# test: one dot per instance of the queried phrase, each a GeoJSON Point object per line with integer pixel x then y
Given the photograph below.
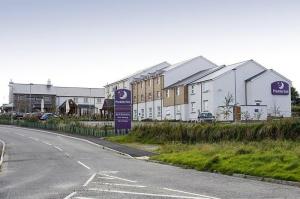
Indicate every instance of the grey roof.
{"type": "Point", "coordinates": [196, 76]}
{"type": "Point", "coordinates": [151, 69]}
{"type": "Point", "coordinates": [254, 76]}
{"type": "Point", "coordinates": [43, 89]}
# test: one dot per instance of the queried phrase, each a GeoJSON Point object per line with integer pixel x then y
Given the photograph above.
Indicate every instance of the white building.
{"type": "Point", "coordinates": [28, 97]}
{"type": "Point", "coordinates": [241, 91]}
{"type": "Point", "coordinates": [246, 85]}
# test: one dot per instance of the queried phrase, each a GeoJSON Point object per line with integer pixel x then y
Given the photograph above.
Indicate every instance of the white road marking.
{"type": "Point", "coordinates": [106, 178]}
{"type": "Point", "coordinates": [145, 194]}
{"type": "Point", "coordinates": [109, 172]}
{"type": "Point", "coordinates": [80, 139]}
{"type": "Point", "coordinates": [124, 185]}
{"type": "Point", "coordinates": [2, 153]}
{"type": "Point", "coordinates": [89, 180]}
{"type": "Point", "coordinates": [70, 195]}
{"type": "Point", "coordinates": [195, 194]}
{"type": "Point", "coordinates": [68, 155]}
{"type": "Point", "coordinates": [47, 143]}
{"type": "Point", "coordinates": [119, 178]}
{"type": "Point", "coordinates": [83, 165]}
{"type": "Point", "coordinates": [58, 148]}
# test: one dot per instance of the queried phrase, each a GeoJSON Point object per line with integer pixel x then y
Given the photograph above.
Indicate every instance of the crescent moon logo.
{"type": "Point", "coordinates": [281, 85]}
{"type": "Point", "coordinates": [123, 95]}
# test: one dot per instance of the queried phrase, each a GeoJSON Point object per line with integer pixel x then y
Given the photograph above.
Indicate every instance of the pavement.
{"type": "Point", "coordinates": [39, 164]}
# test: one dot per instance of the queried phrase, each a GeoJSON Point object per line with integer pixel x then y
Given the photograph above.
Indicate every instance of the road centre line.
{"type": "Point", "coordinates": [124, 179]}
{"type": "Point", "coordinates": [106, 178]}
{"type": "Point", "coordinates": [89, 180]}
{"type": "Point", "coordinates": [75, 138]}
{"type": "Point", "coordinates": [195, 194]}
{"type": "Point", "coordinates": [124, 185]}
{"type": "Point", "coordinates": [70, 195]}
{"type": "Point", "coordinates": [58, 148]}
{"type": "Point", "coordinates": [83, 165]}
{"type": "Point", "coordinates": [145, 194]}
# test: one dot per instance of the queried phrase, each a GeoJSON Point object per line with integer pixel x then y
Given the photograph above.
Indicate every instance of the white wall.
{"type": "Point", "coordinates": [260, 89]}
{"type": "Point", "coordinates": [254, 113]}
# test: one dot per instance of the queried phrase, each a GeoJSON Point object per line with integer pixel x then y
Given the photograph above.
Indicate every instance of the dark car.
{"type": "Point", "coordinates": [47, 116]}
{"type": "Point", "coordinates": [206, 117]}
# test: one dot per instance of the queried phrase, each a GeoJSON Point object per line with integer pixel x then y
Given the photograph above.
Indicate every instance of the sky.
{"type": "Point", "coordinates": [90, 43]}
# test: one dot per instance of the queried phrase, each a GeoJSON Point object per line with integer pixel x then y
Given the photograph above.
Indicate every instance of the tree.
{"type": "Point", "coordinates": [226, 110]}
{"type": "Point", "coordinates": [294, 95]}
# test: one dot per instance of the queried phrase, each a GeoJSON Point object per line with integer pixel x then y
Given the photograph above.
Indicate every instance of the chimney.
{"type": "Point", "coordinates": [49, 83]}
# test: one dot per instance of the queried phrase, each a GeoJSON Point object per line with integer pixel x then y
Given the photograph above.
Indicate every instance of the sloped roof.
{"type": "Point", "coordinates": [255, 76]}
{"type": "Point", "coordinates": [150, 69]}
{"type": "Point", "coordinates": [43, 89]}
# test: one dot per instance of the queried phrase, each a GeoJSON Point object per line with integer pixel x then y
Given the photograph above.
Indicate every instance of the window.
{"type": "Point", "coordinates": [158, 80]}
{"type": "Point", "coordinates": [158, 94]}
{"type": "Point", "coordinates": [149, 96]}
{"type": "Point", "coordinates": [143, 113]}
{"type": "Point", "coordinates": [178, 109]}
{"type": "Point", "coordinates": [150, 112]}
{"type": "Point", "coordinates": [167, 93]}
{"type": "Point", "coordinates": [141, 84]}
{"type": "Point", "coordinates": [158, 111]}
{"type": "Point", "coordinates": [205, 105]}
{"type": "Point", "coordinates": [177, 91]}
{"type": "Point", "coordinates": [76, 99]}
{"type": "Point", "coordinates": [149, 82]}
{"type": "Point", "coordinates": [134, 113]}
{"type": "Point", "coordinates": [134, 98]}
{"type": "Point", "coordinates": [192, 89]}
{"type": "Point", "coordinates": [86, 100]}
{"type": "Point", "coordinates": [142, 97]}
{"type": "Point", "coordinates": [98, 100]}
{"type": "Point", "coordinates": [193, 107]}
{"type": "Point", "coordinates": [204, 87]}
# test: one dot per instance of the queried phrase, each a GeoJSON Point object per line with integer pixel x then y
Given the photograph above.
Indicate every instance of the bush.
{"type": "Point", "coordinates": [194, 133]}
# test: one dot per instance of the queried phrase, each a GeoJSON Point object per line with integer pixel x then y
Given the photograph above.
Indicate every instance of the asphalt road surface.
{"type": "Point", "coordinates": [40, 164]}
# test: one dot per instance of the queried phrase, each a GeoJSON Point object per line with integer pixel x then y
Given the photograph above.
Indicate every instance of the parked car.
{"type": "Point", "coordinates": [206, 117]}
{"type": "Point", "coordinates": [18, 115]}
{"type": "Point", "coordinates": [47, 116]}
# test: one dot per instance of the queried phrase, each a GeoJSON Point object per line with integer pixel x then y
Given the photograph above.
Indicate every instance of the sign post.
{"type": "Point", "coordinates": [122, 114]}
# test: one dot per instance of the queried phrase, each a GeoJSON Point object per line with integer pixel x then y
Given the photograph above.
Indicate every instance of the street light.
{"type": "Point", "coordinates": [30, 106]}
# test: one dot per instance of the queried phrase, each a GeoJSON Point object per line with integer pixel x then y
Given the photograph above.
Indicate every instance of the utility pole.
{"type": "Point", "coordinates": [30, 106]}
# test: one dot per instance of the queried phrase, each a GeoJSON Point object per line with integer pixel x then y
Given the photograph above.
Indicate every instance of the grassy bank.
{"type": "Point", "coordinates": [274, 159]}
{"type": "Point", "coordinates": [269, 149]}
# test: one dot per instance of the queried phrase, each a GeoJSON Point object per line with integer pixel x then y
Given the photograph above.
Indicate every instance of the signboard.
{"type": "Point", "coordinates": [280, 88]}
{"type": "Point", "coordinates": [122, 110]}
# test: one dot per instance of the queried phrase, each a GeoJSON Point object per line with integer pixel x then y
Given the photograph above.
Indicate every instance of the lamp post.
{"type": "Point", "coordinates": [30, 105]}
{"type": "Point", "coordinates": [90, 104]}
{"type": "Point", "coordinates": [12, 107]}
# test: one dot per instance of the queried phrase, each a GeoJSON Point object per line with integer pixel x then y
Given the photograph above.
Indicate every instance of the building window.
{"type": "Point", "coordinates": [134, 113]}
{"type": "Point", "coordinates": [76, 99]}
{"type": "Point", "coordinates": [158, 94]}
{"type": "Point", "coordinates": [205, 105]}
{"type": "Point", "coordinates": [204, 87]}
{"type": "Point", "coordinates": [149, 96]}
{"type": "Point", "coordinates": [158, 80]}
{"type": "Point", "coordinates": [98, 100]}
{"type": "Point", "coordinates": [142, 97]}
{"type": "Point", "coordinates": [192, 89]}
{"type": "Point", "coordinates": [193, 107]}
{"type": "Point", "coordinates": [149, 82]}
{"type": "Point", "coordinates": [158, 111]}
{"type": "Point", "coordinates": [177, 91]}
{"type": "Point", "coordinates": [143, 113]}
{"type": "Point", "coordinates": [167, 93]}
{"type": "Point", "coordinates": [150, 112]}
{"type": "Point", "coordinates": [134, 98]}
{"type": "Point", "coordinates": [86, 100]}
{"type": "Point", "coordinates": [178, 109]}
{"type": "Point", "coordinates": [141, 84]}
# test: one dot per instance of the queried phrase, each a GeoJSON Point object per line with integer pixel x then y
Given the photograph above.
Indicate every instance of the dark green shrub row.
{"type": "Point", "coordinates": [193, 133]}
{"type": "Point", "coordinates": [63, 125]}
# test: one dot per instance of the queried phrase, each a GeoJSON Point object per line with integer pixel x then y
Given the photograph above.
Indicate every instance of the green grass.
{"type": "Point", "coordinates": [274, 159]}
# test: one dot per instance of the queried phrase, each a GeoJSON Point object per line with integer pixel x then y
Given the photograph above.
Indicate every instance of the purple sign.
{"type": "Point", "coordinates": [280, 88]}
{"type": "Point", "coordinates": [122, 109]}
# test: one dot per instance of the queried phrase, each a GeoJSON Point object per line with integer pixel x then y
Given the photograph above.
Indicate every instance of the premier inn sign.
{"type": "Point", "coordinates": [280, 88]}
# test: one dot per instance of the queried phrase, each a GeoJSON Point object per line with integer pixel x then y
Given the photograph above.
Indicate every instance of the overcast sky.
{"type": "Point", "coordinates": [89, 43]}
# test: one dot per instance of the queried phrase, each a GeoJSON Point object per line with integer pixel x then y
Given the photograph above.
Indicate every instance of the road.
{"type": "Point", "coordinates": [40, 164]}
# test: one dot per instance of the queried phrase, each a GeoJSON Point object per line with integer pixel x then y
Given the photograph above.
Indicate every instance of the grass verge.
{"type": "Point", "coordinates": [278, 159]}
